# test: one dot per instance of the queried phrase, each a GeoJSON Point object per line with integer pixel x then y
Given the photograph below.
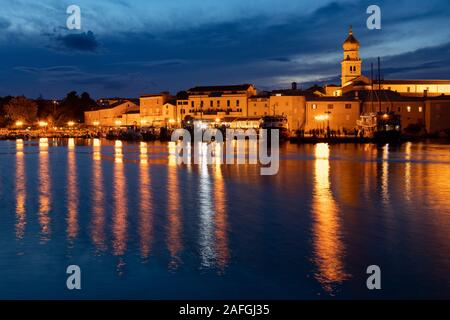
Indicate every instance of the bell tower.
{"type": "Point", "coordinates": [351, 64]}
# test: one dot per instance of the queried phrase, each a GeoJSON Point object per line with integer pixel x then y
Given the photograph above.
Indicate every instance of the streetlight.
{"type": "Point", "coordinates": [96, 123]}
{"type": "Point", "coordinates": [19, 124]}
{"type": "Point", "coordinates": [70, 123]}
{"type": "Point", "coordinates": [323, 117]}
{"type": "Point", "coordinates": [42, 124]}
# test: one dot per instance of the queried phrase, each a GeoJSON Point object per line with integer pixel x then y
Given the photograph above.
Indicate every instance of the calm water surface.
{"type": "Point", "coordinates": [141, 226]}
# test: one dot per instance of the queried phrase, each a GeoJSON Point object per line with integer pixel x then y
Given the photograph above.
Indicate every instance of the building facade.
{"type": "Point", "coordinates": [337, 113]}
{"type": "Point", "coordinates": [118, 113]}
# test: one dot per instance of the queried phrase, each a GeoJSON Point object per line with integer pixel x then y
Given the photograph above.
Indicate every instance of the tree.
{"type": "Point", "coordinates": [20, 109]}
{"type": "Point", "coordinates": [72, 107]}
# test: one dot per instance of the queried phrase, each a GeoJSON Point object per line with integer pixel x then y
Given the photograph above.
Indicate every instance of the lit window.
{"type": "Point", "coordinates": [420, 109]}
{"type": "Point", "coordinates": [408, 108]}
{"type": "Point", "coordinates": [314, 106]}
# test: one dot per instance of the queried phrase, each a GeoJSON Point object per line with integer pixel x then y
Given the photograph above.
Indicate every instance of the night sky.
{"type": "Point", "coordinates": [129, 48]}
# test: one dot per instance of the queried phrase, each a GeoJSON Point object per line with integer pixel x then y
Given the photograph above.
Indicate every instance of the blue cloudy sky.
{"type": "Point", "coordinates": [132, 47]}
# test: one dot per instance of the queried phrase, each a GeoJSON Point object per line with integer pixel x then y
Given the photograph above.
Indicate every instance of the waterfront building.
{"type": "Point", "coordinates": [259, 105]}
{"type": "Point", "coordinates": [336, 113]}
{"type": "Point", "coordinates": [158, 109]}
{"type": "Point", "coordinates": [437, 117]}
{"type": "Point", "coordinates": [121, 112]}
{"type": "Point", "coordinates": [291, 104]}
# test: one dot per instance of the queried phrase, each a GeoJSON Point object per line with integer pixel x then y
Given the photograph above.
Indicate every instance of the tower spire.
{"type": "Point", "coordinates": [350, 32]}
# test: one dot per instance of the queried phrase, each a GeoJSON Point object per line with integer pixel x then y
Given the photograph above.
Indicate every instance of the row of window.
{"type": "Point", "coordinates": [183, 111]}
{"type": "Point", "coordinates": [331, 106]}
{"type": "Point", "coordinates": [349, 106]}
{"type": "Point", "coordinates": [211, 103]}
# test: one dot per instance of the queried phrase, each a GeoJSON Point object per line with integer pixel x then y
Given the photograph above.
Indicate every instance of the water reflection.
{"type": "Point", "coordinates": [120, 206]}
{"type": "Point", "coordinates": [98, 200]}
{"type": "Point", "coordinates": [143, 153]}
{"type": "Point", "coordinates": [72, 193]}
{"type": "Point", "coordinates": [221, 212]}
{"type": "Point", "coordinates": [20, 190]}
{"type": "Point", "coordinates": [174, 242]}
{"type": "Point", "coordinates": [408, 170]}
{"type": "Point", "coordinates": [206, 241]}
{"type": "Point", "coordinates": [328, 246]}
{"type": "Point", "coordinates": [44, 190]}
{"type": "Point", "coordinates": [145, 204]}
{"type": "Point", "coordinates": [385, 175]}
{"type": "Point", "coordinates": [415, 182]}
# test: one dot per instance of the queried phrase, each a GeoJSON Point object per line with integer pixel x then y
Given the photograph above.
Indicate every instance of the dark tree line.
{"type": "Point", "coordinates": [57, 113]}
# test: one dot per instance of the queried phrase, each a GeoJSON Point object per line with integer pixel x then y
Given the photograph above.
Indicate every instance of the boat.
{"type": "Point", "coordinates": [276, 122]}
{"type": "Point", "coordinates": [388, 127]}
{"type": "Point", "coordinates": [381, 127]}
{"type": "Point", "coordinates": [367, 125]}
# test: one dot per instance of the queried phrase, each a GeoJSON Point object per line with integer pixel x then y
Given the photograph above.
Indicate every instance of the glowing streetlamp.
{"type": "Point", "coordinates": [96, 123]}
{"type": "Point", "coordinates": [70, 123]}
{"type": "Point", "coordinates": [321, 117]}
{"type": "Point", "coordinates": [19, 124]}
{"type": "Point", "coordinates": [43, 124]}
{"type": "Point", "coordinates": [118, 122]}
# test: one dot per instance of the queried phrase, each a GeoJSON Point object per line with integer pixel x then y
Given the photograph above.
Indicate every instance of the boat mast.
{"type": "Point", "coordinates": [371, 87]}
{"type": "Point", "coordinates": [379, 84]}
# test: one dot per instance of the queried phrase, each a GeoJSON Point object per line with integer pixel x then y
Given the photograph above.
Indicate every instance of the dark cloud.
{"type": "Point", "coordinates": [425, 63]}
{"type": "Point", "coordinates": [72, 75]}
{"type": "Point", "coordinates": [75, 42]}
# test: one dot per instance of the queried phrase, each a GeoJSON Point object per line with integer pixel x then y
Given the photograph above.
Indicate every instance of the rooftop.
{"type": "Point", "coordinates": [237, 87]}
{"type": "Point", "coordinates": [412, 81]}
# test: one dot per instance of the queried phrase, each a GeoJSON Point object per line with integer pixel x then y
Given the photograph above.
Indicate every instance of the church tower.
{"type": "Point", "coordinates": [351, 65]}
